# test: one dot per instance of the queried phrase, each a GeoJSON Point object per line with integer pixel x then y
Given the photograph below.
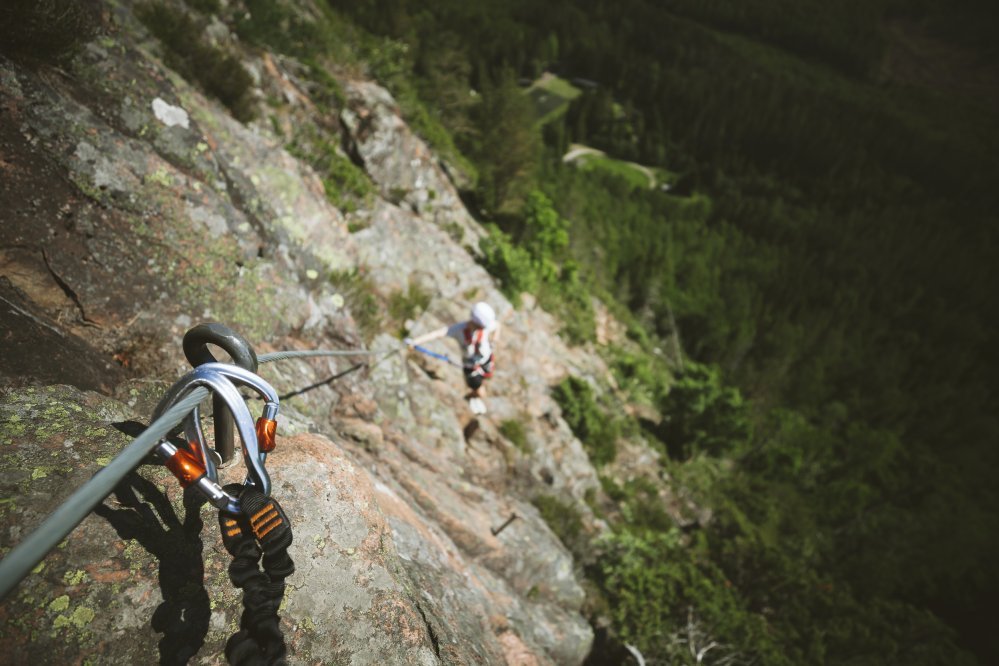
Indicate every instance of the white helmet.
{"type": "Point", "coordinates": [483, 315]}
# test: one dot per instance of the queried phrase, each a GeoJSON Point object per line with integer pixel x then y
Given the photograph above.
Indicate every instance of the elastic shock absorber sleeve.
{"type": "Point", "coordinates": [262, 528]}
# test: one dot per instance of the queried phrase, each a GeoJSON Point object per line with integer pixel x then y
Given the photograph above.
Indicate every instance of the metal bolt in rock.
{"type": "Point", "coordinates": [196, 343]}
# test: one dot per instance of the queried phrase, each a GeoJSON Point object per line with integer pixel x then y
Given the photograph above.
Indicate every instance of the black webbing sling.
{"type": "Point", "coordinates": [262, 528]}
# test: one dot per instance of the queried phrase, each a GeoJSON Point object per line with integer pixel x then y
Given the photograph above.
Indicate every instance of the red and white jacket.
{"type": "Point", "coordinates": [474, 341]}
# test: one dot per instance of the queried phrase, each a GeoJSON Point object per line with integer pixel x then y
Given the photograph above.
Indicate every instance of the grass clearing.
{"type": "Point", "coordinates": [551, 96]}
{"type": "Point", "coordinates": [559, 86]}
{"type": "Point", "coordinates": [635, 174]}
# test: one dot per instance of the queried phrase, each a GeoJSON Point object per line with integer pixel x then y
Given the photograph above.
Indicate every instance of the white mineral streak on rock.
{"type": "Point", "coordinates": [170, 115]}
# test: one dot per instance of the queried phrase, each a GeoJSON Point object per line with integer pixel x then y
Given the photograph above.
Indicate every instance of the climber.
{"type": "Point", "coordinates": [477, 361]}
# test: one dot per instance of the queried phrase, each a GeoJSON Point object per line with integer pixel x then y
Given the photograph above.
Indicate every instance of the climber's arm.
{"type": "Point", "coordinates": [427, 337]}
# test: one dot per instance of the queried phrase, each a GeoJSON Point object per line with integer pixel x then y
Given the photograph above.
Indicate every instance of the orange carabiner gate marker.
{"type": "Point", "coordinates": [266, 434]}
{"type": "Point", "coordinates": [186, 467]}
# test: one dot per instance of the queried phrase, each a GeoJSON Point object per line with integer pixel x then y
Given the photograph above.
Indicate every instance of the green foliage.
{"type": "Point", "coordinates": [408, 304]}
{"type": "Point", "coordinates": [563, 519]}
{"type": "Point", "coordinates": [595, 429]}
{"type": "Point", "coordinates": [347, 186]}
{"type": "Point", "coordinates": [513, 430]}
{"type": "Point", "coordinates": [700, 415]}
{"type": "Point", "coordinates": [844, 34]}
{"type": "Point", "coordinates": [508, 145]}
{"type": "Point", "coordinates": [760, 578]}
{"type": "Point", "coordinates": [643, 247]}
{"type": "Point", "coordinates": [316, 39]}
{"type": "Point", "coordinates": [358, 292]}
{"type": "Point", "coordinates": [219, 74]}
{"type": "Point", "coordinates": [641, 375]}
{"type": "Point", "coordinates": [667, 602]}
{"type": "Point", "coordinates": [568, 298]}
{"type": "Point", "coordinates": [641, 506]}
{"type": "Point", "coordinates": [537, 263]}
{"type": "Point", "coordinates": [205, 6]}
{"type": "Point", "coordinates": [284, 27]}
{"type": "Point", "coordinates": [545, 236]}
{"type": "Point", "coordinates": [47, 29]}
{"type": "Point", "coordinates": [442, 83]}
{"type": "Point", "coordinates": [512, 266]}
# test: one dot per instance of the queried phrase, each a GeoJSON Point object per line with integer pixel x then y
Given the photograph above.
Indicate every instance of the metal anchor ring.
{"type": "Point", "coordinates": [196, 350]}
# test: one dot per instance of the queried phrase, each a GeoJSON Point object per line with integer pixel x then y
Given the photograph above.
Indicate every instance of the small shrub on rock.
{"type": "Point", "coordinates": [47, 30]}
{"type": "Point", "coordinates": [219, 74]}
{"type": "Point", "coordinates": [596, 430]}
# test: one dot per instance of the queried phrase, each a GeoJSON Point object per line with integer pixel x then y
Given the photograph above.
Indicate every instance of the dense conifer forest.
{"type": "Point", "coordinates": [808, 284]}
{"type": "Point", "coordinates": [824, 252]}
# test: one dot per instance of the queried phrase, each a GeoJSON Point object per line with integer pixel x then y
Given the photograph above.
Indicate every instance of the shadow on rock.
{"type": "Point", "coordinates": [149, 518]}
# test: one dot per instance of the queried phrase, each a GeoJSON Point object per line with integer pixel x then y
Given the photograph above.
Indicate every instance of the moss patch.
{"type": "Point", "coordinates": [75, 577]}
{"type": "Point", "coordinates": [513, 430]}
{"type": "Point", "coordinates": [358, 292]}
{"type": "Point", "coordinates": [59, 604]}
{"type": "Point", "coordinates": [78, 619]}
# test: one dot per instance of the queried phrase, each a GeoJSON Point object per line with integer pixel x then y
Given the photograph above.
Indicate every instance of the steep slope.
{"type": "Point", "coordinates": [132, 207]}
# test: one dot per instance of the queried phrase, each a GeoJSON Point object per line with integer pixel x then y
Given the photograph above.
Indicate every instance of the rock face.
{"type": "Point", "coordinates": [121, 227]}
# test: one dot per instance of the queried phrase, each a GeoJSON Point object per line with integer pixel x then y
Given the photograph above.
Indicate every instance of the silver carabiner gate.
{"type": "Point", "coordinates": [266, 426]}
{"type": "Point", "coordinates": [197, 467]}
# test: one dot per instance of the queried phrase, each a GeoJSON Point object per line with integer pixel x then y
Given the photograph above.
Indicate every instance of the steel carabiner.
{"type": "Point", "coordinates": [196, 467]}
{"type": "Point", "coordinates": [266, 427]}
{"type": "Point", "coordinates": [192, 422]}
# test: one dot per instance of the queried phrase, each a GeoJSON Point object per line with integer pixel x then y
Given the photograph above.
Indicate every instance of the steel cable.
{"type": "Point", "coordinates": [19, 562]}
{"type": "Point", "coordinates": [281, 355]}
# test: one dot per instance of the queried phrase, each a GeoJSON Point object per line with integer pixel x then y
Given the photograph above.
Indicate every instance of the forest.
{"type": "Point", "coordinates": [824, 256]}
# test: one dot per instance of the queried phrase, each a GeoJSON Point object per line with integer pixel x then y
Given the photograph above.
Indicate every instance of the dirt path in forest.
{"type": "Point", "coordinates": [578, 150]}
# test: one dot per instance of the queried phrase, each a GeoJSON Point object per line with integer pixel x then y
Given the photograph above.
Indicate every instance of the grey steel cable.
{"type": "Point", "coordinates": [281, 355]}
{"type": "Point", "coordinates": [19, 562]}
